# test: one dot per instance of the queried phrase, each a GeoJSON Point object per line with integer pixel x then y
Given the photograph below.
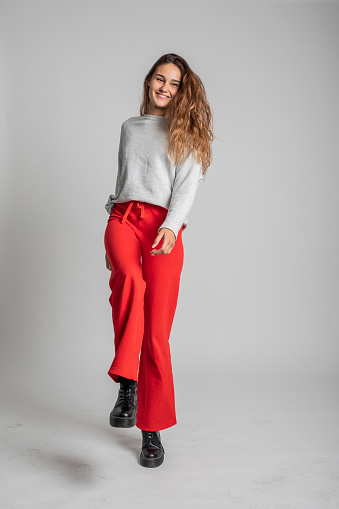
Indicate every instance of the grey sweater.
{"type": "Point", "coordinates": [146, 172]}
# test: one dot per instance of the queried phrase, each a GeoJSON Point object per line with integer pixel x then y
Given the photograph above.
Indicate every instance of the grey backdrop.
{"type": "Point", "coordinates": [259, 289]}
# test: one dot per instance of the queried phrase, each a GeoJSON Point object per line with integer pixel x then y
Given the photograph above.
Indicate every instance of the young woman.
{"type": "Point", "coordinates": [163, 156]}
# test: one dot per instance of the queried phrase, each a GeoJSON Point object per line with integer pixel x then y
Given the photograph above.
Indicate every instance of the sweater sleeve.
{"type": "Point", "coordinates": [110, 203]}
{"type": "Point", "coordinates": [185, 185]}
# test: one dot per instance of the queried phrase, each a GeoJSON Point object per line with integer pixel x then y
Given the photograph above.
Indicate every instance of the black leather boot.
{"type": "Point", "coordinates": [124, 412]}
{"type": "Point", "coordinates": [152, 451]}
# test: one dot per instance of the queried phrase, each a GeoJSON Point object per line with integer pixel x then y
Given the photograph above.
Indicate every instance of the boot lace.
{"type": "Point", "coordinates": [152, 438]}
{"type": "Point", "coordinates": [126, 394]}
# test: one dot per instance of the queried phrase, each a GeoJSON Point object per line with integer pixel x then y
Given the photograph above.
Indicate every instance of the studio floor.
{"type": "Point", "coordinates": [262, 445]}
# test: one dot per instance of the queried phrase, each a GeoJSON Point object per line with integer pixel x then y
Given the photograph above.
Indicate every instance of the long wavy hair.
{"type": "Point", "coordinates": [188, 116]}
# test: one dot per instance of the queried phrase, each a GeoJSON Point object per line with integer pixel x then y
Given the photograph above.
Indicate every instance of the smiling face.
{"type": "Point", "coordinates": [163, 86]}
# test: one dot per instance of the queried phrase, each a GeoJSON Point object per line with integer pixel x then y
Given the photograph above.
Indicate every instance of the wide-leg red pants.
{"type": "Point", "coordinates": [144, 293]}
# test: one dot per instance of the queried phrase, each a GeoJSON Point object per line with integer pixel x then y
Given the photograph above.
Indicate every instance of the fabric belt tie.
{"type": "Point", "coordinates": [141, 207]}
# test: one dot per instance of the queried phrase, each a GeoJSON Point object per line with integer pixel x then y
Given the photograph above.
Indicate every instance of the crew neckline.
{"type": "Point", "coordinates": [148, 115]}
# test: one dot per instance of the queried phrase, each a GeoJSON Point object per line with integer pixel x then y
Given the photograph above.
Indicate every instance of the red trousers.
{"type": "Point", "coordinates": [144, 293]}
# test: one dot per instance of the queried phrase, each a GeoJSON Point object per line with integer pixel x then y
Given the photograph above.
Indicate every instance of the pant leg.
{"type": "Point", "coordinates": [156, 398]}
{"type": "Point", "coordinates": [127, 295]}
{"type": "Point", "coordinates": [148, 293]}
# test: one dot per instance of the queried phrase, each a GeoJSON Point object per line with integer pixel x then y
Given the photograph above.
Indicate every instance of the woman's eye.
{"type": "Point", "coordinates": [173, 84]}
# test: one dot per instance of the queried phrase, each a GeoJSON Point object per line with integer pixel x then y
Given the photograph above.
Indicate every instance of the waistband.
{"type": "Point", "coordinates": [130, 205]}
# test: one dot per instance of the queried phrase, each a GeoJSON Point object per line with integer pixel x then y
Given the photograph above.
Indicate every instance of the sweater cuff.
{"type": "Point", "coordinates": [110, 204]}
{"type": "Point", "coordinates": [175, 229]}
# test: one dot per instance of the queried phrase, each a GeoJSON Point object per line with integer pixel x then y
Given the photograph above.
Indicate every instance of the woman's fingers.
{"type": "Point", "coordinates": [108, 263]}
{"type": "Point", "coordinates": [168, 242]}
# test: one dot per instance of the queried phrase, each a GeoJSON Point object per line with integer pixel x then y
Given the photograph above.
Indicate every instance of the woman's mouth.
{"type": "Point", "coordinates": [162, 96]}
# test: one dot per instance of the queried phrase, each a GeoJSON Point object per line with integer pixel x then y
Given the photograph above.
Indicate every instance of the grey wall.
{"type": "Point", "coordinates": [259, 291]}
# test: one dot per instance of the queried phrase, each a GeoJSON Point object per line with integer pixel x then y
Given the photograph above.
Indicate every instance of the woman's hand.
{"type": "Point", "coordinates": [108, 263]}
{"type": "Point", "coordinates": [168, 242]}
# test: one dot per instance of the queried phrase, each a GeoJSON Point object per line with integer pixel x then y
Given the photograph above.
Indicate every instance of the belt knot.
{"type": "Point", "coordinates": [140, 204]}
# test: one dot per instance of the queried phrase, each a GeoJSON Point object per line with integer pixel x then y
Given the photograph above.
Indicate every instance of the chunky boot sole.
{"type": "Point", "coordinates": [122, 422]}
{"type": "Point", "coordinates": [151, 462]}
